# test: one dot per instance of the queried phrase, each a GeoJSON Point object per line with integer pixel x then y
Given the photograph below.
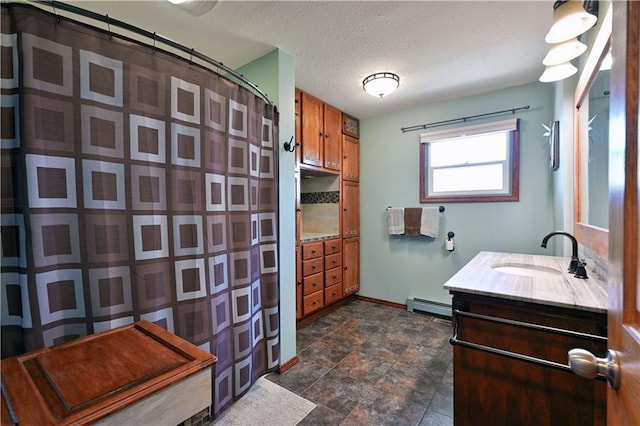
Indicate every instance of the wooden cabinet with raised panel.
{"type": "Point", "coordinates": [350, 158]}
{"type": "Point", "coordinates": [351, 265]}
{"type": "Point", "coordinates": [332, 138]}
{"type": "Point", "coordinates": [332, 271]}
{"type": "Point", "coordinates": [298, 282]}
{"type": "Point", "coordinates": [312, 276]}
{"type": "Point", "coordinates": [298, 125]}
{"type": "Point", "coordinates": [498, 389]}
{"type": "Point", "coordinates": [321, 133]}
{"type": "Point", "coordinates": [350, 198]}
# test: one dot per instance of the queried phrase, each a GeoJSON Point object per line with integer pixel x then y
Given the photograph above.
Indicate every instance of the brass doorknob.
{"type": "Point", "coordinates": [585, 364]}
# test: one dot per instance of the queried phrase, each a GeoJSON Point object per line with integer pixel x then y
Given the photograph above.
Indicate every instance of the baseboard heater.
{"type": "Point", "coordinates": [415, 304]}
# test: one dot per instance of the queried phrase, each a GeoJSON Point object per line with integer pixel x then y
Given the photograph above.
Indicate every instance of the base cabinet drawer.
{"type": "Point", "coordinates": [333, 293]}
{"type": "Point", "coordinates": [312, 283]}
{"type": "Point", "coordinates": [333, 261]}
{"type": "Point", "coordinates": [312, 302]}
{"type": "Point", "coordinates": [332, 277]}
{"type": "Point", "coordinates": [312, 266]}
{"type": "Point", "coordinates": [312, 250]}
{"type": "Point", "coordinates": [332, 247]}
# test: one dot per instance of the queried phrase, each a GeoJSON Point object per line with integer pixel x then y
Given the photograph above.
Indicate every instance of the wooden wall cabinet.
{"type": "Point", "coordinates": [496, 389]}
{"type": "Point", "coordinates": [350, 158]}
{"type": "Point", "coordinates": [327, 271]}
{"type": "Point", "coordinates": [350, 198]}
{"type": "Point", "coordinates": [321, 133]}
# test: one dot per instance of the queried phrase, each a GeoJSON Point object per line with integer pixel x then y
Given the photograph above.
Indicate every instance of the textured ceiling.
{"type": "Point", "coordinates": [440, 49]}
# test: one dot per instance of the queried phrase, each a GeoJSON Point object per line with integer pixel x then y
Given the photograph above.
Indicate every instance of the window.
{"type": "Point", "coordinates": [472, 163]}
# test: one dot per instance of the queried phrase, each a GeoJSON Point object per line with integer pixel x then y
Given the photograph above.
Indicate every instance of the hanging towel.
{"type": "Point", "coordinates": [430, 222]}
{"type": "Point", "coordinates": [412, 218]}
{"type": "Point", "coordinates": [395, 221]}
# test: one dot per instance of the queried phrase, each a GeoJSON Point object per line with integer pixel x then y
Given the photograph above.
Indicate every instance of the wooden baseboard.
{"type": "Point", "coordinates": [324, 311]}
{"type": "Point", "coordinates": [383, 302]}
{"type": "Point", "coordinates": [287, 365]}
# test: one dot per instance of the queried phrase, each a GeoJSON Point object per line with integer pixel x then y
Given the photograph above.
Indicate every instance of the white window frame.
{"type": "Point", "coordinates": [511, 166]}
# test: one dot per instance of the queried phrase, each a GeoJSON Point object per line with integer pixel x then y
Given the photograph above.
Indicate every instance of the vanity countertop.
{"type": "Point", "coordinates": [317, 236]}
{"type": "Point", "coordinates": [563, 290]}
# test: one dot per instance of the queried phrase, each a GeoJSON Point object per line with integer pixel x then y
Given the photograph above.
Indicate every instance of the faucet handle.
{"type": "Point", "coordinates": [581, 271]}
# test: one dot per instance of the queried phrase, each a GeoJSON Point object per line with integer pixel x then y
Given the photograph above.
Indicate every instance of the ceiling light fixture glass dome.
{"type": "Point", "coordinates": [381, 83]}
{"type": "Point", "coordinates": [564, 52]}
{"type": "Point", "coordinates": [558, 72]}
{"type": "Point", "coordinates": [569, 20]}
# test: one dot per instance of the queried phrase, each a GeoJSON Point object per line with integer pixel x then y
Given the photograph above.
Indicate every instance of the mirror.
{"type": "Point", "coordinates": [591, 207]}
{"type": "Point", "coordinates": [595, 159]}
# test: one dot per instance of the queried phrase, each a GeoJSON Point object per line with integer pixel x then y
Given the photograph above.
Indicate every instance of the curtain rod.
{"type": "Point", "coordinates": [461, 119]}
{"type": "Point", "coordinates": [153, 36]}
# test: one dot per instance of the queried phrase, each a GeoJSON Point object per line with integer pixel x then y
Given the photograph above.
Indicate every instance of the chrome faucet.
{"type": "Point", "coordinates": [573, 266]}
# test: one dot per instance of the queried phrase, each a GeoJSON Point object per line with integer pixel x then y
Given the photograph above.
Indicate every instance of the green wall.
{"type": "Point", "coordinates": [274, 73]}
{"type": "Point", "coordinates": [394, 268]}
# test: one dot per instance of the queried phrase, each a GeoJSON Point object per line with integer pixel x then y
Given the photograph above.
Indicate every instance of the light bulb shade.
{"type": "Point", "coordinates": [564, 52]}
{"type": "Point", "coordinates": [195, 7]}
{"type": "Point", "coordinates": [558, 72]}
{"type": "Point", "coordinates": [381, 83]}
{"type": "Point", "coordinates": [569, 21]}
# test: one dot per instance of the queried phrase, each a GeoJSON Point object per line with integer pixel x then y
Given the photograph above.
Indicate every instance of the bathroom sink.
{"type": "Point", "coordinates": [526, 270]}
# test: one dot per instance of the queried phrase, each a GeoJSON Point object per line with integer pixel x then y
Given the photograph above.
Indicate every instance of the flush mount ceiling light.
{"type": "Point", "coordinates": [195, 7]}
{"type": "Point", "coordinates": [564, 52]}
{"type": "Point", "coordinates": [381, 83]}
{"type": "Point", "coordinates": [570, 19]}
{"type": "Point", "coordinates": [558, 72]}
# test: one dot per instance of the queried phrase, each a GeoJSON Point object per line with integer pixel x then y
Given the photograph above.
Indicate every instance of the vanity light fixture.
{"type": "Point", "coordinates": [195, 7]}
{"type": "Point", "coordinates": [381, 83]}
{"type": "Point", "coordinates": [564, 52]}
{"type": "Point", "coordinates": [570, 19]}
{"type": "Point", "coordinates": [558, 72]}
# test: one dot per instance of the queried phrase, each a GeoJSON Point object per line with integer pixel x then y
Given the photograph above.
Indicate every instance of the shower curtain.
{"type": "Point", "coordinates": [136, 185]}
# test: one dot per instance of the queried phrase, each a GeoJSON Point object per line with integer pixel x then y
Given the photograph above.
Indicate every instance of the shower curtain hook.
{"type": "Point", "coordinates": [55, 12]}
{"type": "Point", "coordinates": [109, 26]}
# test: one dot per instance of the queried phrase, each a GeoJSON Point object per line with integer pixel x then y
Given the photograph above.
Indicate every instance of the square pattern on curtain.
{"type": "Point", "coordinates": [135, 186]}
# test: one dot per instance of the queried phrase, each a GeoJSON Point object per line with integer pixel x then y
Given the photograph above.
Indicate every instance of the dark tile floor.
{"type": "Point", "coordinates": [371, 364]}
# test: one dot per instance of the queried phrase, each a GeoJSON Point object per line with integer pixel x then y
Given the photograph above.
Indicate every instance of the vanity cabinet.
{"type": "Point", "coordinates": [321, 133]}
{"type": "Point", "coordinates": [492, 388]}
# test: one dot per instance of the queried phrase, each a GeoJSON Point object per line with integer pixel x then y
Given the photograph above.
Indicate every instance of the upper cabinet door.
{"type": "Point", "coordinates": [350, 158]}
{"type": "Point", "coordinates": [298, 125]}
{"type": "Point", "coordinates": [312, 130]}
{"type": "Point", "coordinates": [332, 137]}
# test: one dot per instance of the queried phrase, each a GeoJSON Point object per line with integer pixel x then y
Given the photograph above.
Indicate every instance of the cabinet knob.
{"type": "Point", "coordinates": [326, 135]}
{"type": "Point", "coordinates": [585, 364]}
{"type": "Point", "coordinates": [313, 266]}
{"type": "Point", "coordinates": [321, 134]}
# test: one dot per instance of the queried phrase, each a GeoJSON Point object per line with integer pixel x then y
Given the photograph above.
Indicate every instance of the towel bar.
{"type": "Point", "coordinates": [454, 341]}
{"type": "Point", "coordinates": [440, 208]}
